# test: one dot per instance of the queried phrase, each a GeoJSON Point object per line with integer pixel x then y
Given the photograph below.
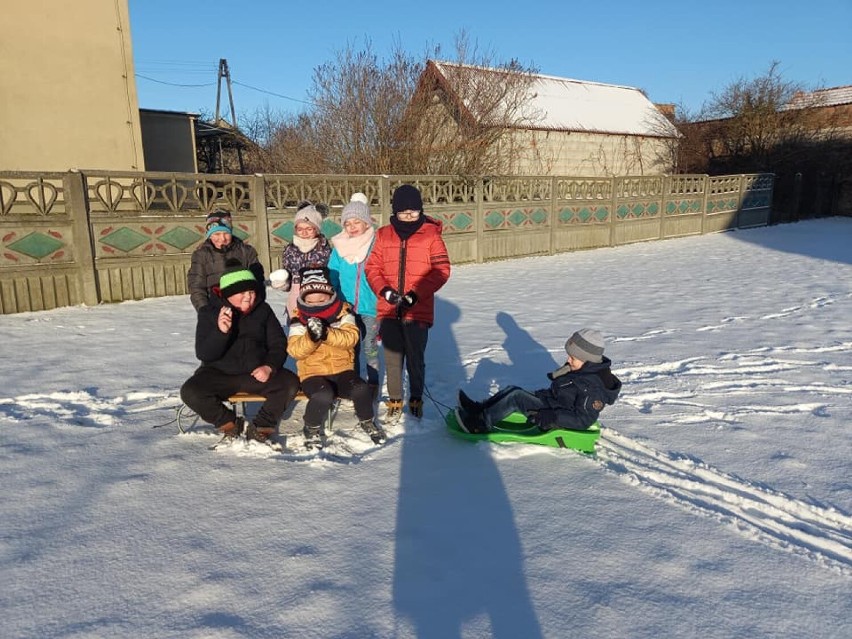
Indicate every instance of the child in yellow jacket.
{"type": "Point", "coordinates": [323, 338]}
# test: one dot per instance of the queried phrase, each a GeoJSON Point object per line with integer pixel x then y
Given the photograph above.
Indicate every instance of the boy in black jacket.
{"type": "Point", "coordinates": [242, 347]}
{"type": "Point", "coordinates": [578, 392]}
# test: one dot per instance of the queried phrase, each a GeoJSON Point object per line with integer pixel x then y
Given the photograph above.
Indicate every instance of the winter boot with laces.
{"type": "Point", "coordinates": [232, 429]}
{"type": "Point", "coordinates": [394, 407]}
{"type": "Point", "coordinates": [260, 433]}
{"type": "Point", "coordinates": [373, 430]}
{"type": "Point", "coordinates": [313, 436]}
{"type": "Point", "coordinates": [415, 407]}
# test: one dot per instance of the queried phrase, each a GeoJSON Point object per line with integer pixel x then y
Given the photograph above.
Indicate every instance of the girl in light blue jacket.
{"type": "Point", "coordinates": [350, 249]}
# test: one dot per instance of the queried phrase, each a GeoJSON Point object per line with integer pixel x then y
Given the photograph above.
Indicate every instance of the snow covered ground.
{"type": "Point", "coordinates": [718, 505]}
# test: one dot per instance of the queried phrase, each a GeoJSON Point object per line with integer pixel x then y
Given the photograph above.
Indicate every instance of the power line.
{"type": "Point", "coordinates": [175, 63]}
{"type": "Point", "coordinates": [277, 95]}
{"type": "Point", "coordinates": [210, 84]}
{"type": "Point", "coordinates": [174, 84]}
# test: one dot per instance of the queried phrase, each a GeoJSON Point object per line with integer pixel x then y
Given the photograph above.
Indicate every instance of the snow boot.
{"type": "Point", "coordinates": [374, 431]}
{"type": "Point", "coordinates": [232, 429]}
{"type": "Point", "coordinates": [394, 407]}
{"type": "Point", "coordinates": [260, 433]}
{"type": "Point", "coordinates": [467, 403]}
{"type": "Point", "coordinates": [314, 437]}
{"type": "Point", "coordinates": [461, 419]}
{"type": "Point", "coordinates": [470, 422]}
{"type": "Point", "coordinates": [415, 407]}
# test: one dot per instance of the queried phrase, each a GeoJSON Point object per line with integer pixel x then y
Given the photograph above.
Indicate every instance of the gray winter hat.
{"type": "Point", "coordinates": [356, 211]}
{"type": "Point", "coordinates": [586, 345]}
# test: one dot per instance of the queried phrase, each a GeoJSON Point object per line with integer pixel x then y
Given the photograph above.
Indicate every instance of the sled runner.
{"type": "Point", "coordinates": [187, 420]}
{"type": "Point", "coordinates": [516, 428]}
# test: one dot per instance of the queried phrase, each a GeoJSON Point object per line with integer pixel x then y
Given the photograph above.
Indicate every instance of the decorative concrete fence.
{"type": "Point", "coordinates": [100, 236]}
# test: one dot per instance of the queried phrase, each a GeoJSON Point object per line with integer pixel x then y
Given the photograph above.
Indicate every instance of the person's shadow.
{"type": "Point", "coordinates": [458, 554]}
{"type": "Point", "coordinates": [529, 362]}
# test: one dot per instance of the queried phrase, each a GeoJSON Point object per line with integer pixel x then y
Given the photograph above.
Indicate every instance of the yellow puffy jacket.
{"type": "Point", "coordinates": [335, 354]}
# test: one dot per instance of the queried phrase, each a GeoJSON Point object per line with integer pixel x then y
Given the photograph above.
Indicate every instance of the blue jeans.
{"type": "Point", "coordinates": [367, 349]}
{"type": "Point", "coordinates": [511, 399]}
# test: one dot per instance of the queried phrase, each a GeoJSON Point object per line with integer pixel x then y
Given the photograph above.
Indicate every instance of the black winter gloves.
{"type": "Point", "coordinates": [395, 299]}
{"type": "Point", "coordinates": [390, 295]}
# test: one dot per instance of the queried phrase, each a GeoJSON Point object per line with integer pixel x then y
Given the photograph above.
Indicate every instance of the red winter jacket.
{"type": "Point", "coordinates": [418, 264]}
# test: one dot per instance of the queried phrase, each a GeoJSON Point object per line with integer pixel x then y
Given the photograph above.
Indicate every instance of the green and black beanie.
{"type": "Point", "coordinates": [237, 279]}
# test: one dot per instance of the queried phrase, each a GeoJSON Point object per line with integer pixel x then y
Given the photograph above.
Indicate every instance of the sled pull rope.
{"type": "Point", "coordinates": [426, 391]}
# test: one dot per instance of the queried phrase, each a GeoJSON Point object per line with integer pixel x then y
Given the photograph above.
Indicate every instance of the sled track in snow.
{"type": "Point", "coordinates": [822, 535]}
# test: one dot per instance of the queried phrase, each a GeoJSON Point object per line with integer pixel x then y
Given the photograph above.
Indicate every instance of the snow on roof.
{"type": "Point", "coordinates": [822, 98]}
{"type": "Point", "coordinates": [564, 104]}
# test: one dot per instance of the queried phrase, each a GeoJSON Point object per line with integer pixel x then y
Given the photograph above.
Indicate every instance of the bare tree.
{"type": "Point", "coordinates": [471, 116]}
{"type": "Point", "coordinates": [751, 120]}
{"type": "Point", "coordinates": [358, 104]}
{"type": "Point", "coordinates": [284, 143]}
{"type": "Point", "coordinates": [401, 115]}
{"type": "Point", "coordinates": [689, 151]}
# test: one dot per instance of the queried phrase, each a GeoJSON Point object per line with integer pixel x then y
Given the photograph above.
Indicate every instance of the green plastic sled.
{"type": "Point", "coordinates": [516, 428]}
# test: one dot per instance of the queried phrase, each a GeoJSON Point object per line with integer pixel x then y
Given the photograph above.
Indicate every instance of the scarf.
{"type": "Point", "coordinates": [326, 312]}
{"type": "Point", "coordinates": [407, 229]}
{"type": "Point", "coordinates": [354, 250]}
{"type": "Point", "coordinates": [305, 246]}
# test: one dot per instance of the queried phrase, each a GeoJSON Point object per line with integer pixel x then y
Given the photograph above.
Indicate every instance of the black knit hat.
{"type": "Point", "coordinates": [315, 280]}
{"type": "Point", "coordinates": [406, 198]}
{"type": "Point", "coordinates": [236, 279]}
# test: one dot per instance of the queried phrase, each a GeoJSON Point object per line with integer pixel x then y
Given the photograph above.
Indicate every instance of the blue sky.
{"type": "Point", "coordinates": [676, 51]}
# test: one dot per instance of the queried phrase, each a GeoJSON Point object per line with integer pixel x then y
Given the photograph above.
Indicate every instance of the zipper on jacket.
{"type": "Point", "coordinates": [357, 285]}
{"type": "Point", "coordinates": [403, 247]}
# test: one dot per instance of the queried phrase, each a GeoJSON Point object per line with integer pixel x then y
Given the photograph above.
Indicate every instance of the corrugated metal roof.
{"type": "Point", "coordinates": [564, 104]}
{"type": "Point", "coordinates": [822, 98]}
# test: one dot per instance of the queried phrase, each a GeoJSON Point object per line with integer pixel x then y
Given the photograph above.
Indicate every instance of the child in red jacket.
{"type": "Point", "coordinates": [407, 265]}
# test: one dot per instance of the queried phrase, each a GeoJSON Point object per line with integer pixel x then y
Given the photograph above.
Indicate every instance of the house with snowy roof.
{"type": "Point", "coordinates": [829, 109]}
{"type": "Point", "coordinates": [560, 126]}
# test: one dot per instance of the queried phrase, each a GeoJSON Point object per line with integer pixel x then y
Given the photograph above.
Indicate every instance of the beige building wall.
{"type": "Point", "coordinates": [67, 87]}
{"type": "Point", "coordinates": [591, 154]}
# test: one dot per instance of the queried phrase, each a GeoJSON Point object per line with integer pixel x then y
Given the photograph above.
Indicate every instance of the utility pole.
{"type": "Point", "coordinates": [224, 72]}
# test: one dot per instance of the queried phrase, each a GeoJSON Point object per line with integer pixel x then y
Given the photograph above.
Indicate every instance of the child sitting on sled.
{"type": "Point", "coordinates": [323, 338]}
{"type": "Point", "coordinates": [578, 392]}
{"type": "Point", "coordinates": [242, 348]}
